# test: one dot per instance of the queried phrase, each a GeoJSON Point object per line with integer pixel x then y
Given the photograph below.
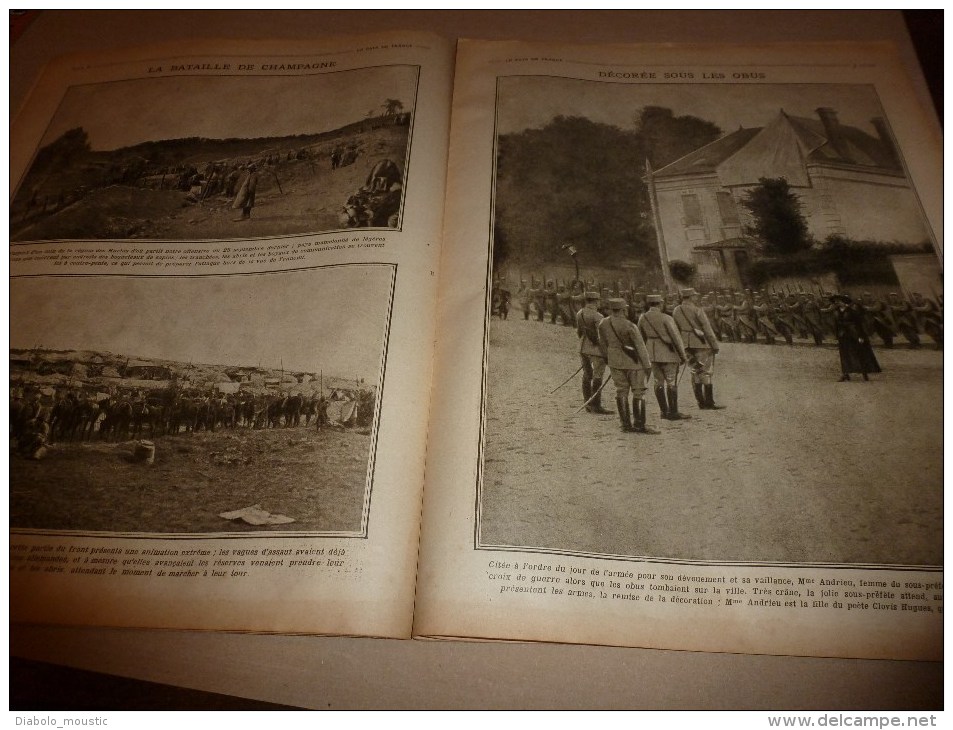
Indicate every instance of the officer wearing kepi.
{"type": "Point", "coordinates": [590, 352]}
{"type": "Point", "coordinates": [667, 352]}
{"type": "Point", "coordinates": [629, 364]}
{"type": "Point", "coordinates": [701, 345]}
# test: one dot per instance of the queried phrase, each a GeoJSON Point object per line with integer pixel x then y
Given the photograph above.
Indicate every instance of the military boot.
{"type": "Point", "coordinates": [673, 414]}
{"type": "Point", "coordinates": [596, 405]}
{"type": "Point", "coordinates": [700, 395]}
{"type": "Point", "coordinates": [638, 408]}
{"type": "Point", "coordinates": [622, 402]}
{"type": "Point", "coordinates": [587, 392]}
{"type": "Point", "coordinates": [662, 402]}
{"type": "Point", "coordinates": [710, 400]}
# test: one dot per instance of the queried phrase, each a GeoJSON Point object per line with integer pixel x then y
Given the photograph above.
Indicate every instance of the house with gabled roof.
{"type": "Point", "coordinates": [850, 182]}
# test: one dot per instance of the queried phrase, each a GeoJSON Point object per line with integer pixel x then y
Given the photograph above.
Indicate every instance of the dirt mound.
{"type": "Point", "coordinates": [113, 212]}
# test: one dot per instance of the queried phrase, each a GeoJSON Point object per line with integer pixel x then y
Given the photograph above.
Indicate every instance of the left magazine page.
{"type": "Point", "coordinates": [222, 288]}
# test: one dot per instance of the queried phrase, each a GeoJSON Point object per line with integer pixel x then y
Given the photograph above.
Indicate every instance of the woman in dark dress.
{"type": "Point", "coordinates": [853, 343]}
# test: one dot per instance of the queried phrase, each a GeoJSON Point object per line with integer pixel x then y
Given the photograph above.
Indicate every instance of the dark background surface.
{"type": "Point", "coordinates": [523, 676]}
{"type": "Point", "coordinates": [926, 32]}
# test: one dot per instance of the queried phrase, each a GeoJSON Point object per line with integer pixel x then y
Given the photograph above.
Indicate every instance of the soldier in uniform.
{"type": "Point", "coordinates": [725, 327]}
{"type": "Point", "coordinates": [577, 299]}
{"type": "Point", "coordinates": [637, 307]}
{"type": "Point", "coordinates": [825, 308]}
{"type": "Point", "coordinates": [744, 318]}
{"type": "Point", "coordinates": [629, 363]}
{"type": "Point", "coordinates": [708, 304]}
{"type": "Point", "coordinates": [903, 316]}
{"type": "Point", "coordinates": [671, 301]}
{"type": "Point", "coordinates": [525, 298]}
{"type": "Point", "coordinates": [537, 298]}
{"type": "Point", "coordinates": [591, 354]}
{"type": "Point", "coordinates": [245, 199]}
{"type": "Point", "coordinates": [929, 318]}
{"type": "Point", "coordinates": [667, 352]}
{"type": "Point", "coordinates": [764, 319]}
{"type": "Point", "coordinates": [783, 318]}
{"type": "Point", "coordinates": [550, 301]}
{"type": "Point", "coordinates": [701, 346]}
{"type": "Point", "coordinates": [812, 317]}
{"type": "Point", "coordinates": [877, 318]}
{"type": "Point", "coordinates": [499, 300]}
{"type": "Point", "coordinates": [564, 305]}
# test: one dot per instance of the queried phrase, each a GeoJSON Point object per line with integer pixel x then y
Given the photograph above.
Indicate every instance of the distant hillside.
{"type": "Point", "coordinates": [68, 164]}
{"type": "Point", "coordinates": [100, 369]}
{"type": "Point", "coordinates": [302, 194]}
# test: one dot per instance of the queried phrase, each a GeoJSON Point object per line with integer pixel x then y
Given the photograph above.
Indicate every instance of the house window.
{"type": "Point", "coordinates": [692, 210]}
{"type": "Point", "coordinates": [727, 209]}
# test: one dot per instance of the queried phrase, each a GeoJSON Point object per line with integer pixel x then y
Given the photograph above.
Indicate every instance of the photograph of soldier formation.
{"type": "Point", "coordinates": [174, 414]}
{"type": "Point", "coordinates": [211, 157]}
{"type": "Point", "coordinates": [714, 331]}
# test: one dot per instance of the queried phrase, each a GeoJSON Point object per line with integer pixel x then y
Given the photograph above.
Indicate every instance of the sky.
{"type": "Point", "coordinates": [331, 319]}
{"type": "Point", "coordinates": [123, 113]}
{"type": "Point", "coordinates": [531, 102]}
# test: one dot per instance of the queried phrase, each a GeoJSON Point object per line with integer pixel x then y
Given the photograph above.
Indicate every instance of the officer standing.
{"type": "Point", "coordinates": [666, 351]}
{"type": "Point", "coordinates": [629, 363]}
{"type": "Point", "coordinates": [591, 354]}
{"type": "Point", "coordinates": [700, 344]}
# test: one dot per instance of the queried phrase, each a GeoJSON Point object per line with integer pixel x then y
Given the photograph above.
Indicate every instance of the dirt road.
{"type": "Point", "coordinates": [798, 468]}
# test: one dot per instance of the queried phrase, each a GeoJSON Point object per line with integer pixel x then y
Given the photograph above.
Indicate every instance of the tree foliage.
{"type": "Point", "coordinates": [63, 151]}
{"type": "Point", "coordinates": [582, 182]}
{"type": "Point", "coordinates": [853, 262]}
{"type": "Point", "coordinates": [573, 181]}
{"type": "Point", "coordinates": [666, 137]}
{"type": "Point", "coordinates": [682, 271]}
{"type": "Point", "coordinates": [778, 221]}
{"type": "Point", "coordinates": [392, 107]}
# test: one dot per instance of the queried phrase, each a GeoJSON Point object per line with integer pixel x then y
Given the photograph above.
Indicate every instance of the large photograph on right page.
{"type": "Point", "coordinates": [714, 328]}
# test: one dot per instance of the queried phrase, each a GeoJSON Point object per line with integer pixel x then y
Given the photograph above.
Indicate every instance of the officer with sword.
{"type": "Point", "coordinates": [701, 345]}
{"type": "Point", "coordinates": [667, 353]}
{"type": "Point", "coordinates": [629, 364]}
{"type": "Point", "coordinates": [591, 353]}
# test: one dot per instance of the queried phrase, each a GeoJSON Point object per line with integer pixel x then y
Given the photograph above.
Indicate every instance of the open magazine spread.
{"type": "Point", "coordinates": [632, 345]}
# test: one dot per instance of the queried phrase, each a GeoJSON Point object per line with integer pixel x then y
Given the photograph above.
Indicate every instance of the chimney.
{"type": "Point", "coordinates": [832, 131]}
{"type": "Point", "coordinates": [886, 140]}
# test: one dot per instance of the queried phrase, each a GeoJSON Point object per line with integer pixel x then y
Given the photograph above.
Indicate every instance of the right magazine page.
{"type": "Point", "coordinates": [688, 386]}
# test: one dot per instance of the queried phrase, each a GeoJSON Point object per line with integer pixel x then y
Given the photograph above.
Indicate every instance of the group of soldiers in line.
{"type": "Point", "coordinates": [744, 316]}
{"type": "Point", "coordinates": [75, 415]}
{"type": "Point", "coordinates": [657, 345]}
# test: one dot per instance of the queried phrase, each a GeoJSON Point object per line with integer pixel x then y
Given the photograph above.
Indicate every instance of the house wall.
{"type": "Point", "coordinates": [918, 273]}
{"type": "Point", "coordinates": [682, 234]}
{"type": "Point", "coordinates": [862, 206]}
{"type": "Point", "coordinates": [856, 204]}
